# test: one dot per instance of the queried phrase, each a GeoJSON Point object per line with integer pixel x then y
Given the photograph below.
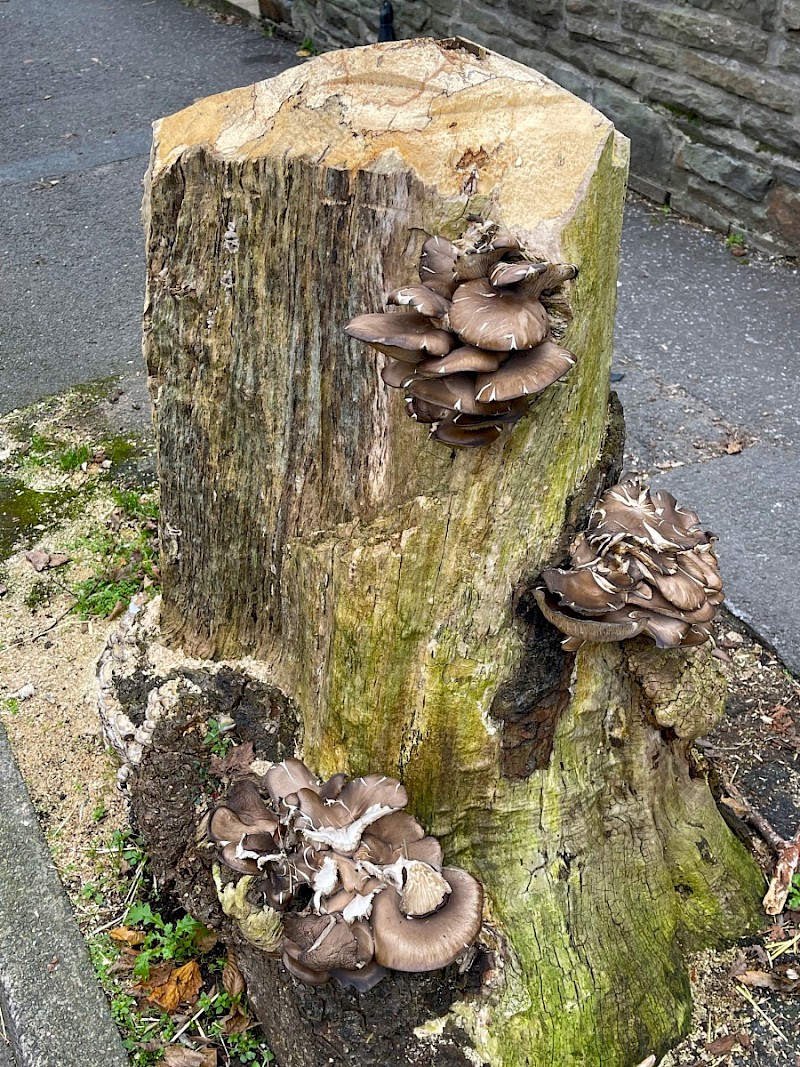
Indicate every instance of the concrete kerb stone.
{"type": "Point", "coordinates": [54, 1009]}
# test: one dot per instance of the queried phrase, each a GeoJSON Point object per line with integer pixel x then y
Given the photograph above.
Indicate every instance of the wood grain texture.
{"type": "Point", "coordinates": [308, 522]}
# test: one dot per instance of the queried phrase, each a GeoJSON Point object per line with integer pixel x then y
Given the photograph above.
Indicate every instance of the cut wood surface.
{"type": "Point", "coordinates": [383, 581]}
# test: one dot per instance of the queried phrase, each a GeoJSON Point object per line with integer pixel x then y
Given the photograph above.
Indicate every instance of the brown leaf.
{"type": "Point", "coordinates": [178, 1056]}
{"type": "Point", "coordinates": [721, 1046]}
{"type": "Point", "coordinates": [235, 762]}
{"type": "Point", "coordinates": [236, 1022]}
{"type": "Point", "coordinates": [182, 985]}
{"type": "Point", "coordinates": [38, 559]}
{"type": "Point", "coordinates": [58, 559]}
{"type": "Point", "coordinates": [127, 936]}
{"type": "Point", "coordinates": [762, 980]}
{"type": "Point", "coordinates": [205, 942]}
{"type": "Point", "coordinates": [232, 978]}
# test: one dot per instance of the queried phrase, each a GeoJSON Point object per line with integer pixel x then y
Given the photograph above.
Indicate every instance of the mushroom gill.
{"type": "Point", "coordinates": [323, 855]}
{"type": "Point", "coordinates": [643, 565]}
{"type": "Point", "coordinates": [479, 327]}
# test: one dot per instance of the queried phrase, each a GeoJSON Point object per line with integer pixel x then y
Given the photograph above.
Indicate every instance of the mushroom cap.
{"type": "Point", "coordinates": [452, 433]}
{"type": "Point", "coordinates": [340, 823]}
{"type": "Point", "coordinates": [525, 373]}
{"type": "Point", "coordinates": [403, 335]}
{"type": "Point", "coordinates": [285, 778]}
{"type": "Point", "coordinates": [512, 273]}
{"type": "Point", "coordinates": [620, 628]}
{"type": "Point", "coordinates": [326, 941]}
{"type": "Point", "coordinates": [397, 372]}
{"type": "Point", "coordinates": [244, 812]}
{"type": "Point", "coordinates": [455, 392]}
{"type": "Point", "coordinates": [467, 358]}
{"type": "Point", "coordinates": [497, 319]}
{"type": "Point", "coordinates": [362, 980]}
{"type": "Point", "coordinates": [421, 299]}
{"type": "Point", "coordinates": [421, 411]}
{"type": "Point", "coordinates": [437, 265]}
{"type": "Point", "coordinates": [435, 941]}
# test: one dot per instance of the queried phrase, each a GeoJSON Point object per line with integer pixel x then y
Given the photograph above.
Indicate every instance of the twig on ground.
{"type": "Point", "coordinates": [748, 996]}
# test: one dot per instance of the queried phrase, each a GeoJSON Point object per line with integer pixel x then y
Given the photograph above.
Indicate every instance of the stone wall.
{"type": "Point", "coordinates": [707, 90]}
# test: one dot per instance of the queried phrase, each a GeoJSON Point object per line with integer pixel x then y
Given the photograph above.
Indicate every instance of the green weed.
{"type": "Point", "coordinates": [793, 900]}
{"type": "Point", "coordinates": [71, 459]}
{"type": "Point", "coordinates": [173, 941]}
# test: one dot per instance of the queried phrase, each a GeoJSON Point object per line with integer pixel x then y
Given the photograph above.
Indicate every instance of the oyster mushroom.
{"type": "Point", "coordinates": [499, 319]}
{"type": "Point", "coordinates": [478, 318]}
{"type": "Point", "coordinates": [644, 565]}
{"type": "Point", "coordinates": [426, 944]}
{"type": "Point", "coordinates": [407, 336]}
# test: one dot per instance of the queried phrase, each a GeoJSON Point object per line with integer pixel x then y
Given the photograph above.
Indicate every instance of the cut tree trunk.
{"type": "Point", "coordinates": [381, 584]}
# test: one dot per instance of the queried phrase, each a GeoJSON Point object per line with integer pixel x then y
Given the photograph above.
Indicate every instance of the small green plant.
{"type": "Point", "coordinates": [218, 738]}
{"type": "Point", "coordinates": [734, 240]}
{"type": "Point", "coordinates": [39, 594]}
{"type": "Point", "coordinates": [308, 47]}
{"type": "Point", "coordinates": [73, 458]}
{"type": "Point", "coordinates": [128, 846]}
{"type": "Point", "coordinates": [99, 597]}
{"type": "Point", "coordinates": [173, 941]}
{"type": "Point", "coordinates": [12, 706]}
{"type": "Point", "coordinates": [793, 900]}
{"type": "Point", "coordinates": [99, 812]}
{"type": "Point", "coordinates": [135, 505]}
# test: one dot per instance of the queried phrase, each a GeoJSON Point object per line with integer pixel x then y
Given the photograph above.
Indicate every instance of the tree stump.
{"type": "Point", "coordinates": [381, 583]}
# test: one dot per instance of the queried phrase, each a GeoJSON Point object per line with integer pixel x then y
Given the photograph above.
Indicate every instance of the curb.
{"type": "Point", "coordinates": [54, 1010]}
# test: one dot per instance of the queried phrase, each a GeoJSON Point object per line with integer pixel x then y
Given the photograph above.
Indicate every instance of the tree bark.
{"type": "Point", "coordinates": [383, 582]}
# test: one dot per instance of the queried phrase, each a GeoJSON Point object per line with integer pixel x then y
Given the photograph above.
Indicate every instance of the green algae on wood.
{"type": "Point", "coordinates": [308, 523]}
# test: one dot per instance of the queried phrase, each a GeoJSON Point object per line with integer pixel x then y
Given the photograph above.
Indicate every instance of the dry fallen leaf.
{"type": "Point", "coordinates": [721, 1046]}
{"type": "Point", "coordinates": [232, 978]}
{"type": "Point", "coordinates": [38, 559]}
{"type": "Point", "coordinates": [187, 1057]}
{"type": "Point", "coordinates": [775, 981]}
{"type": "Point", "coordinates": [127, 936]}
{"type": "Point", "coordinates": [236, 761]}
{"type": "Point", "coordinates": [182, 985]}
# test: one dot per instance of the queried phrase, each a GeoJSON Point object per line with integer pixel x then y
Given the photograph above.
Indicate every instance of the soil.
{"type": "Point", "coordinates": [49, 654]}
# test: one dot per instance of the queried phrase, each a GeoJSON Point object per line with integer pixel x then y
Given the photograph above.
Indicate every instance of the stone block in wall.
{"type": "Point", "coordinates": [787, 172]}
{"type": "Point", "coordinates": [771, 128]}
{"type": "Point", "coordinates": [563, 74]}
{"type": "Point", "coordinates": [543, 12]}
{"type": "Point", "coordinates": [481, 22]}
{"type": "Point", "coordinates": [788, 57]}
{"type": "Point", "coordinates": [717, 207]}
{"type": "Point", "coordinates": [652, 140]}
{"type": "Point", "coordinates": [764, 13]}
{"type": "Point", "coordinates": [415, 18]}
{"type": "Point", "coordinates": [712, 33]}
{"type": "Point", "coordinates": [744, 178]}
{"type": "Point", "coordinates": [749, 82]}
{"type": "Point", "coordinates": [783, 214]}
{"type": "Point", "coordinates": [593, 8]}
{"type": "Point", "coordinates": [647, 49]}
{"type": "Point", "coordinates": [688, 97]}
{"type": "Point", "coordinates": [791, 14]}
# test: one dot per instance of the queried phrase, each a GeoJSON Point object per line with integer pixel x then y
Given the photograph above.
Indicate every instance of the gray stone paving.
{"type": "Point", "coordinates": [708, 347]}
{"type": "Point", "coordinates": [56, 1014]}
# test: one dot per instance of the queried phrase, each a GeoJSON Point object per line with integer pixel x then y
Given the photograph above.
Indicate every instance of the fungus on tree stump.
{"type": "Point", "coordinates": [381, 588]}
{"type": "Point", "coordinates": [643, 566]}
{"type": "Point", "coordinates": [367, 885]}
{"type": "Point", "coordinates": [477, 344]}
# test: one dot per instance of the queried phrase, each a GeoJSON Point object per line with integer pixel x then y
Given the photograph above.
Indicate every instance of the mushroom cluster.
{"type": "Point", "coordinates": [476, 343]}
{"type": "Point", "coordinates": [644, 566]}
{"type": "Point", "coordinates": [358, 885]}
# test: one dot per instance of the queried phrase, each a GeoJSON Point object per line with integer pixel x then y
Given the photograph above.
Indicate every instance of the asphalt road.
{"type": "Point", "coordinates": [707, 343]}
{"type": "Point", "coordinates": [83, 81]}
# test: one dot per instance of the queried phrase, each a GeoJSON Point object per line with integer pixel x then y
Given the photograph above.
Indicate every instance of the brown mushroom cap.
{"type": "Point", "coordinates": [455, 392]}
{"type": "Point", "coordinates": [404, 335]}
{"type": "Point", "coordinates": [449, 432]}
{"type": "Point", "coordinates": [525, 373]}
{"type": "Point", "coordinates": [361, 980]}
{"type": "Point", "coordinates": [497, 319]}
{"type": "Point", "coordinates": [467, 358]}
{"type": "Point", "coordinates": [397, 372]}
{"type": "Point", "coordinates": [421, 299]}
{"type": "Point", "coordinates": [434, 941]}
{"type": "Point", "coordinates": [285, 778]}
{"type": "Point", "coordinates": [437, 265]}
{"type": "Point", "coordinates": [577, 629]}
